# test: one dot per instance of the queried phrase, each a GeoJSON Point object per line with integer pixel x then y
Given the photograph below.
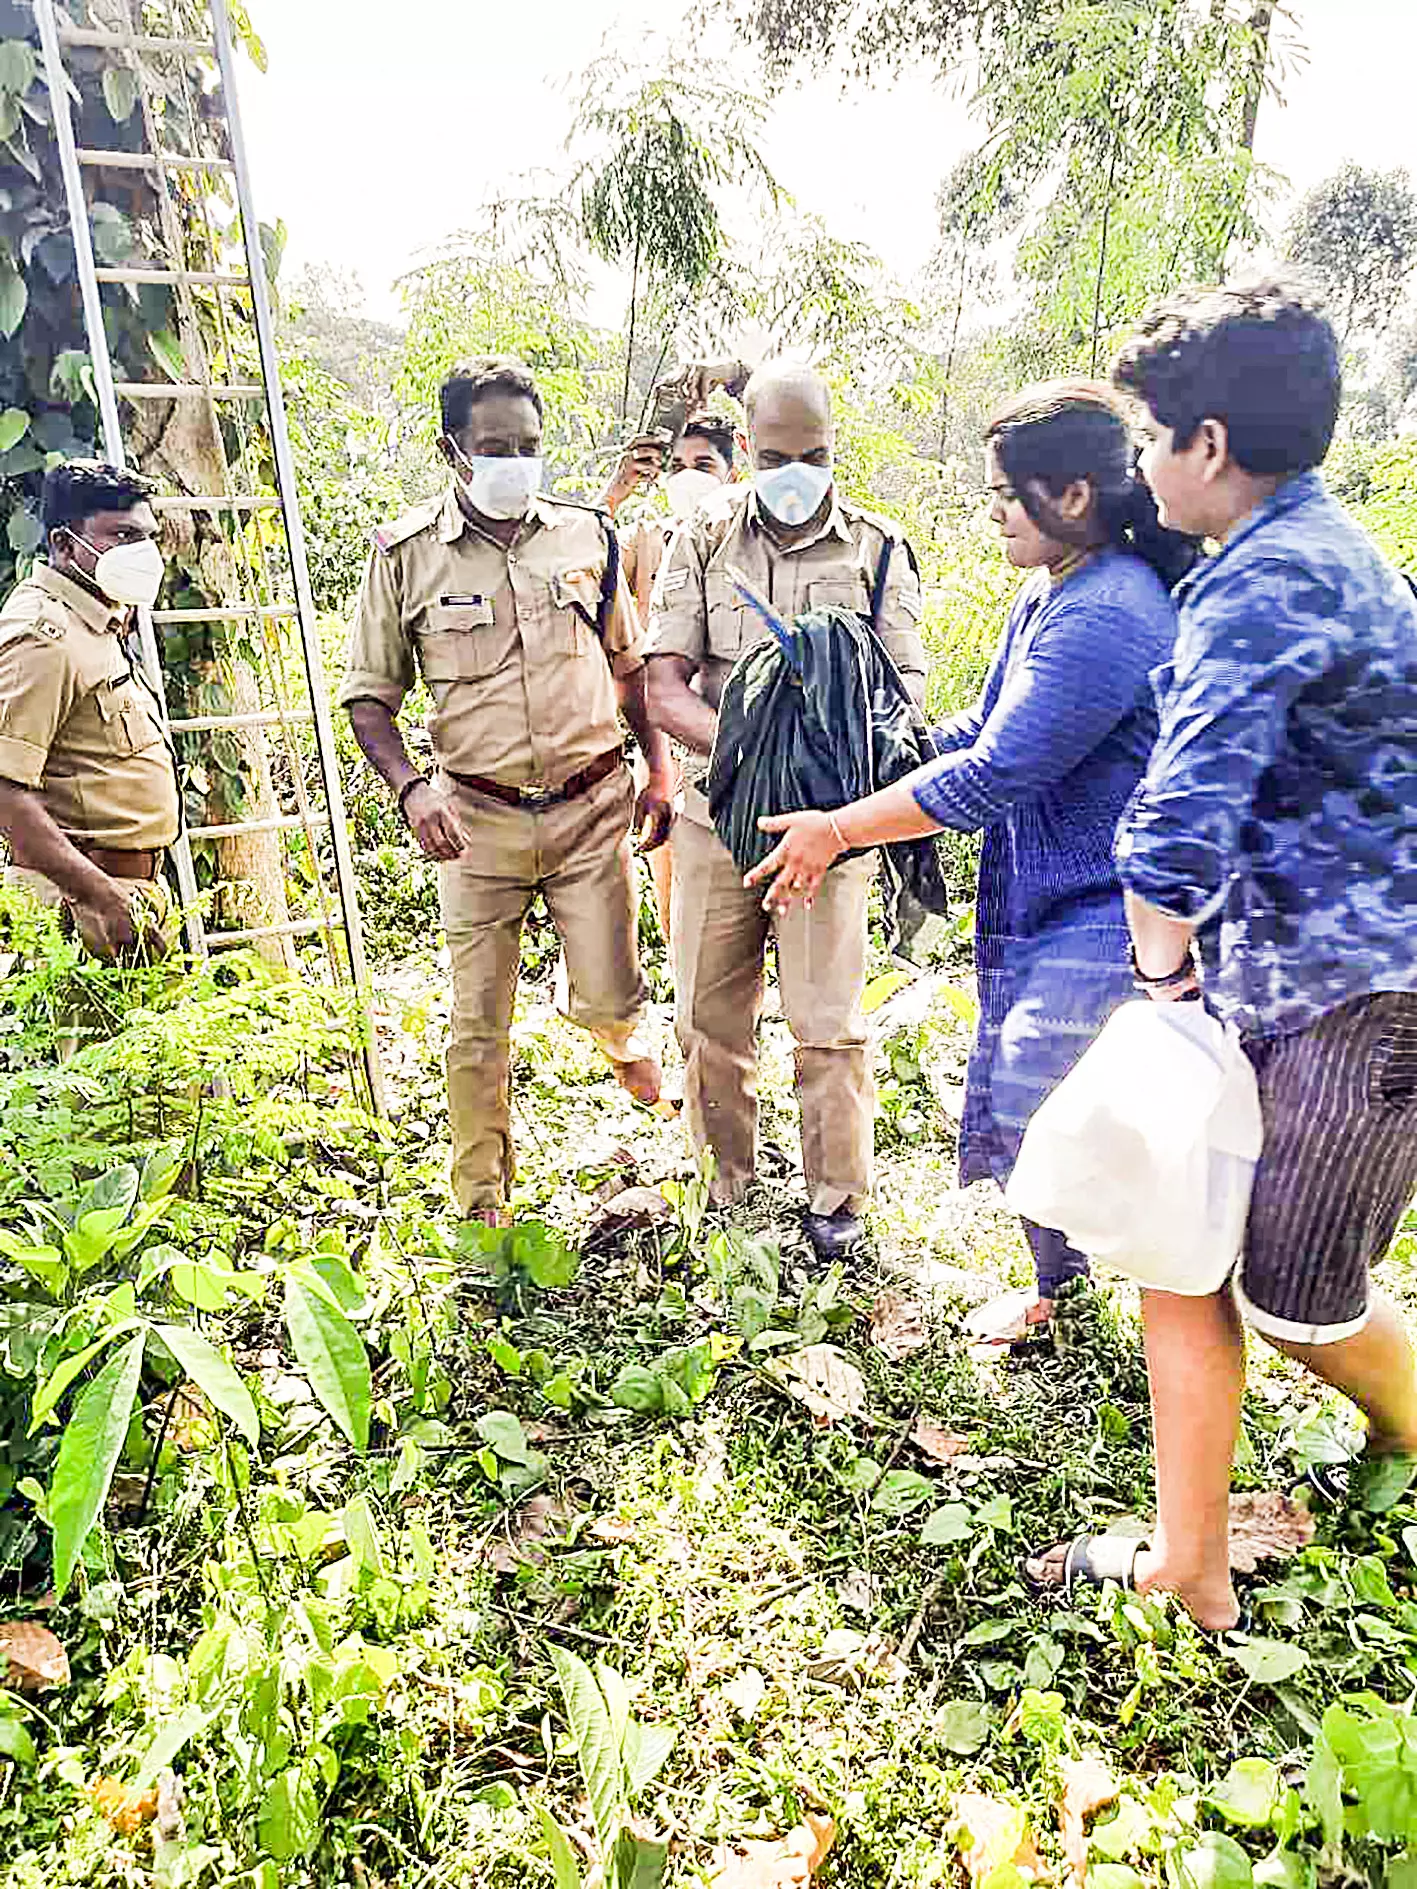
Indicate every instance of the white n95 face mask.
{"type": "Point", "coordinates": [128, 573]}
{"type": "Point", "coordinates": [500, 488]}
{"type": "Point", "coordinates": [688, 488]}
{"type": "Point", "coordinates": [793, 493]}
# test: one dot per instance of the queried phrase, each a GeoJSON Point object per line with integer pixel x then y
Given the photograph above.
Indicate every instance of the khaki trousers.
{"type": "Point", "coordinates": [719, 938]}
{"type": "Point", "coordinates": [578, 854]}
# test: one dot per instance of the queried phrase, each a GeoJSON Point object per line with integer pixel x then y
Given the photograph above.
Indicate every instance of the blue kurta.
{"type": "Point", "coordinates": [1043, 765]}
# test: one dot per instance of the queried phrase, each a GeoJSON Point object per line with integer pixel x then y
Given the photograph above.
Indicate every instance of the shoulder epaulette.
{"type": "Point", "coordinates": [417, 518]}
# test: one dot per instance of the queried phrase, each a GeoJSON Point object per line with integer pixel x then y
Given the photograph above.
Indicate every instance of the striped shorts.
{"type": "Point", "coordinates": [1339, 1167]}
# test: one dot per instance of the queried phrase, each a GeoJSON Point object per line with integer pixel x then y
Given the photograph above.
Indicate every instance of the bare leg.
{"type": "Point", "coordinates": [1377, 1368]}
{"type": "Point", "coordinates": [1195, 1357]}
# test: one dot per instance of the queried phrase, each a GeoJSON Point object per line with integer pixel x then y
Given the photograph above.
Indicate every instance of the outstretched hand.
{"type": "Point", "coordinates": [798, 863]}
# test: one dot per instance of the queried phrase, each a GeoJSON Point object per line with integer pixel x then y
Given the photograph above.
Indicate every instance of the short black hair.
{"type": "Point", "coordinates": [474, 380]}
{"type": "Point", "coordinates": [1260, 356]}
{"type": "Point", "coordinates": [80, 487]}
{"type": "Point", "coordinates": [713, 428]}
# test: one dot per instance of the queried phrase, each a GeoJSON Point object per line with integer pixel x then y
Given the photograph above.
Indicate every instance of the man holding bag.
{"type": "Point", "coordinates": [1276, 829]}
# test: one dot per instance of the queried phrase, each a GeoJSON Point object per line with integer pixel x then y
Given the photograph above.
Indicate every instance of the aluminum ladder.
{"type": "Point", "coordinates": [272, 568]}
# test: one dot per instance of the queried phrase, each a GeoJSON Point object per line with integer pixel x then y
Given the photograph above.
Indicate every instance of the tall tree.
{"type": "Point", "coordinates": [658, 152]}
{"type": "Point", "coordinates": [1356, 233]}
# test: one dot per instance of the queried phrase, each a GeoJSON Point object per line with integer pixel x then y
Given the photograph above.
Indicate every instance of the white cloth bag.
{"type": "Point", "coordinates": [1144, 1154]}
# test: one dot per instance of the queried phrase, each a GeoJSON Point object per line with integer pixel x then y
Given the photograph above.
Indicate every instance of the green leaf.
{"type": "Point", "coordinates": [1323, 1788]}
{"type": "Point", "coordinates": [334, 1358]}
{"type": "Point", "coordinates": [214, 1376]}
{"type": "Point", "coordinates": [1401, 1873]}
{"type": "Point", "coordinates": [23, 532]}
{"type": "Point", "coordinates": [589, 1720]}
{"type": "Point", "coordinates": [637, 1388]}
{"type": "Point", "coordinates": [166, 350]}
{"type": "Point", "coordinates": [14, 424]}
{"type": "Point", "coordinates": [14, 298]}
{"type": "Point", "coordinates": [1380, 1482]}
{"type": "Point", "coordinates": [1213, 1861]}
{"type": "Point", "coordinates": [172, 1739]}
{"type": "Point", "coordinates": [289, 1817]}
{"type": "Point", "coordinates": [1114, 1876]}
{"type": "Point", "coordinates": [340, 1277]}
{"type": "Point", "coordinates": [637, 1862]}
{"type": "Point", "coordinates": [120, 92]}
{"type": "Point", "coordinates": [1268, 1662]}
{"type": "Point", "coordinates": [15, 1742]}
{"type": "Point", "coordinates": [949, 1524]}
{"type": "Point", "coordinates": [652, 1745]}
{"type": "Point", "coordinates": [505, 1434]}
{"type": "Point", "coordinates": [901, 1490]}
{"type": "Point", "coordinates": [563, 1857]}
{"type": "Point", "coordinates": [962, 1726]}
{"type": "Point", "coordinates": [63, 1375]}
{"type": "Point", "coordinates": [200, 1285]}
{"type": "Point", "coordinates": [1248, 1793]}
{"type": "Point", "coordinates": [88, 1455]}
{"type": "Point", "coordinates": [1286, 1869]}
{"type": "Point", "coordinates": [997, 1512]}
{"type": "Point", "coordinates": [17, 67]}
{"type": "Point", "coordinates": [361, 1535]}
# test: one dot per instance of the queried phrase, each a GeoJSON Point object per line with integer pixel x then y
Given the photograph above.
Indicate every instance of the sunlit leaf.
{"type": "Point", "coordinates": [88, 1455]}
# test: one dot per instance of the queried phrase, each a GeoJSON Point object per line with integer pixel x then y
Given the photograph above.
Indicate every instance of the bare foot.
{"type": "Point", "coordinates": [642, 1079]}
{"type": "Point", "coordinates": [1047, 1568]}
{"type": "Point", "coordinates": [1210, 1602]}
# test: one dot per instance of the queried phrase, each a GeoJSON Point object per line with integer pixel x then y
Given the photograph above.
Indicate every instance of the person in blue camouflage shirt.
{"type": "Point", "coordinates": [1275, 827]}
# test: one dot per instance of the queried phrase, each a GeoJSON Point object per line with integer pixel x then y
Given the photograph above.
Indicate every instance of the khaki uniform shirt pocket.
{"type": "Point", "coordinates": [839, 593]}
{"type": "Point", "coordinates": [575, 599]}
{"type": "Point", "coordinates": [731, 626]}
{"type": "Point", "coordinates": [457, 642]}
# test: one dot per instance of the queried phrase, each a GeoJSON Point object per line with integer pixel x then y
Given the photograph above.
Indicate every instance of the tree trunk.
{"type": "Point", "coordinates": [1261, 21]}
{"type": "Point", "coordinates": [1102, 252]}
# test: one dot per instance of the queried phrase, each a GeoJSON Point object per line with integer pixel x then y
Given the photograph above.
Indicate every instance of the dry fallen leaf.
{"type": "Point", "coordinates": [609, 1528]}
{"type": "Point", "coordinates": [745, 1691]}
{"type": "Point", "coordinates": [629, 1211]}
{"type": "Point", "coordinates": [1266, 1526]}
{"type": "Point", "coordinates": [937, 1445]}
{"type": "Point", "coordinates": [1087, 1786]}
{"type": "Point", "coordinates": [531, 1524]}
{"type": "Point", "coordinates": [191, 1423]}
{"type": "Point", "coordinates": [126, 1809]}
{"type": "Point", "coordinates": [777, 1862]}
{"type": "Point", "coordinates": [856, 1590]}
{"type": "Point", "coordinates": [898, 1325]}
{"type": "Point", "coordinates": [170, 1827]}
{"type": "Point", "coordinates": [993, 1834]}
{"type": "Point", "coordinates": [31, 1657]}
{"type": "Point", "coordinates": [822, 1378]}
{"type": "Point", "coordinates": [851, 1659]}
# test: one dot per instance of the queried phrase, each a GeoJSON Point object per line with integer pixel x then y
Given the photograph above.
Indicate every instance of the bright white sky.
{"type": "Point", "coordinates": [379, 129]}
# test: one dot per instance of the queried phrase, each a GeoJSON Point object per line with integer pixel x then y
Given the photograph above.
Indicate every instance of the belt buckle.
{"type": "Point", "coordinates": [539, 796]}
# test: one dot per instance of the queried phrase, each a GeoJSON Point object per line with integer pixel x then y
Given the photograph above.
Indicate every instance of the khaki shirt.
{"type": "Point", "coordinates": [523, 687]}
{"type": "Point", "coordinates": [696, 612]}
{"type": "Point", "coordinates": [77, 723]}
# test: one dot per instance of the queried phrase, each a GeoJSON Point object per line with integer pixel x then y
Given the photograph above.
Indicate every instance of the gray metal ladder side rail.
{"type": "Point", "coordinates": [102, 368]}
{"type": "Point", "coordinates": [271, 393]}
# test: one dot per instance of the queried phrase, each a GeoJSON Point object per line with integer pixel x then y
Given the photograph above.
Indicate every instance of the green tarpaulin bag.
{"type": "Point", "coordinates": [816, 714]}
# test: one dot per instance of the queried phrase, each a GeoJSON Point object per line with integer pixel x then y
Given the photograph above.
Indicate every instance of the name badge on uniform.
{"type": "Point", "coordinates": [673, 580]}
{"type": "Point", "coordinates": [458, 602]}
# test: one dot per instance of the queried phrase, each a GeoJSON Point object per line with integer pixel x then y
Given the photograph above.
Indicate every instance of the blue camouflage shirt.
{"type": "Point", "coordinates": [1279, 809]}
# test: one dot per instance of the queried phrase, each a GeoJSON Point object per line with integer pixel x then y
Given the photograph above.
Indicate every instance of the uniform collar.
{"type": "Point", "coordinates": [834, 525]}
{"type": "Point", "coordinates": [453, 521]}
{"type": "Point", "coordinates": [93, 612]}
{"type": "Point", "coordinates": [1286, 498]}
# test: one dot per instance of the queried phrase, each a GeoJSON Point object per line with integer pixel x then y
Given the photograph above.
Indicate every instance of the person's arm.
{"type": "Point", "coordinates": [1251, 646]}
{"type": "Point", "coordinates": [654, 809]}
{"type": "Point", "coordinates": [902, 611]}
{"type": "Point", "coordinates": [676, 707]}
{"type": "Point", "coordinates": [812, 842]}
{"type": "Point", "coordinates": [378, 674]}
{"type": "Point", "coordinates": [37, 843]}
{"type": "Point", "coordinates": [640, 464]}
{"type": "Point", "coordinates": [1161, 946]}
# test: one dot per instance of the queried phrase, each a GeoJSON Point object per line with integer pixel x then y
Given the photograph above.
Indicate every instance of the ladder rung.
{"type": "Point", "coordinates": [232, 613]}
{"type": "Point", "coordinates": [283, 823]}
{"type": "Point", "coordinates": [267, 718]}
{"type": "Point", "coordinates": [133, 42]}
{"type": "Point", "coordinates": [292, 928]}
{"type": "Point", "coordinates": [185, 389]}
{"type": "Point", "coordinates": [147, 161]}
{"type": "Point", "coordinates": [212, 502]}
{"type": "Point", "coordinates": [209, 278]}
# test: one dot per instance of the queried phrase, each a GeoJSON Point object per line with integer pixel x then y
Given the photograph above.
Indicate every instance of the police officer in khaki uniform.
{"type": "Point", "coordinates": [88, 793]}
{"type": "Point", "coordinates": [511, 606]}
{"type": "Point", "coordinates": [799, 546]}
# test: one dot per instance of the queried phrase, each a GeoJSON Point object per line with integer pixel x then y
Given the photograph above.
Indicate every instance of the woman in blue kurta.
{"type": "Point", "coordinates": [1042, 765]}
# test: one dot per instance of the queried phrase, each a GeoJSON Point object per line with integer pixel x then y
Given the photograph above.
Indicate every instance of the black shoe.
{"type": "Point", "coordinates": [833, 1235]}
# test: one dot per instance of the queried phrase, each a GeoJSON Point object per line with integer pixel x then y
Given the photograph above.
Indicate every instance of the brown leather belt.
{"type": "Point", "coordinates": [120, 864]}
{"type": "Point", "coordinates": [533, 799]}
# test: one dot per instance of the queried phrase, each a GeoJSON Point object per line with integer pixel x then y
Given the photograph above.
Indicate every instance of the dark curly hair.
{"type": "Point", "coordinates": [1060, 431]}
{"type": "Point", "coordinates": [472, 381]}
{"type": "Point", "coordinates": [77, 489]}
{"type": "Point", "coordinates": [1260, 356]}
